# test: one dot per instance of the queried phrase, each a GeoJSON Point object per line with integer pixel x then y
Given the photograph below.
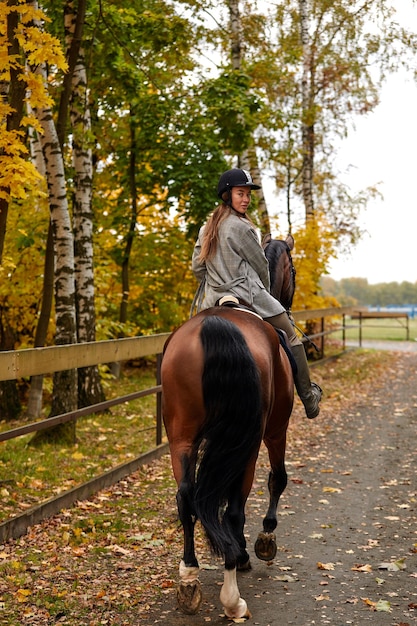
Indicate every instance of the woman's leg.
{"type": "Point", "coordinates": [310, 393]}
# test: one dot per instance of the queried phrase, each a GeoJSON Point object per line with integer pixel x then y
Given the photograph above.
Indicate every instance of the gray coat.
{"type": "Point", "coordinates": [239, 268]}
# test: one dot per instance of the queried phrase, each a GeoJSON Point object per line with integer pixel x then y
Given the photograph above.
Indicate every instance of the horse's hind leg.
{"type": "Point", "coordinates": [189, 593]}
{"type": "Point", "coordinates": [233, 604]}
{"type": "Point", "coordinates": [265, 545]}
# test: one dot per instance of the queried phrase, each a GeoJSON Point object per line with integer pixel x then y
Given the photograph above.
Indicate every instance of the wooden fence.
{"type": "Point", "coordinates": [400, 317]}
{"type": "Point", "coordinates": [37, 361]}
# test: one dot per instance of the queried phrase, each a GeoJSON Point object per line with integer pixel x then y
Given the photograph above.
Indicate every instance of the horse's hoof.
{"type": "Point", "coordinates": [189, 597]}
{"type": "Point", "coordinates": [240, 612]}
{"type": "Point", "coordinates": [266, 546]}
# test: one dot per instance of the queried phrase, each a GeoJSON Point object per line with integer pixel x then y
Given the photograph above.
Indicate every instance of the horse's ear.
{"type": "Point", "coordinates": [266, 239]}
{"type": "Point", "coordinates": [290, 241]}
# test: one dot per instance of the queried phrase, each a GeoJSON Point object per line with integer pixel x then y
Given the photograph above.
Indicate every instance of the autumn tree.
{"type": "Point", "coordinates": [21, 43]}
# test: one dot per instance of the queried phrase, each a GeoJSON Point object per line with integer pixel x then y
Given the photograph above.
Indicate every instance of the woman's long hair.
{"type": "Point", "coordinates": [211, 229]}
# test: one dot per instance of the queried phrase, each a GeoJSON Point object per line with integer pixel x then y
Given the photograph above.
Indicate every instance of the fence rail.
{"type": "Point", "coordinates": [37, 361]}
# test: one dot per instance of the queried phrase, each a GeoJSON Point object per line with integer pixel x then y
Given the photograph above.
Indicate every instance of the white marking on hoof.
{"type": "Point", "coordinates": [233, 605]}
{"type": "Point", "coordinates": [189, 594]}
{"type": "Point", "coordinates": [188, 574]}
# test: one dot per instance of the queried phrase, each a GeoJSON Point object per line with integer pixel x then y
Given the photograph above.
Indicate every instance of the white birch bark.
{"type": "Point", "coordinates": [89, 384]}
{"type": "Point", "coordinates": [64, 398]}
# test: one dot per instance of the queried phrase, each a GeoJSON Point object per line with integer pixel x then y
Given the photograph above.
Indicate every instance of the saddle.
{"type": "Point", "coordinates": [235, 303]}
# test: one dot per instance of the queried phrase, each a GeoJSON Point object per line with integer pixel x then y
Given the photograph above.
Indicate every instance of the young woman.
{"type": "Point", "coordinates": [229, 260]}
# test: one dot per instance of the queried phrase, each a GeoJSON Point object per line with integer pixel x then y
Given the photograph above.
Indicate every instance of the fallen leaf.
{"type": "Point", "coordinates": [286, 578]}
{"type": "Point", "coordinates": [362, 568]}
{"type": "Point", "coordinates": [326, 566]}
{"type": "Point", "coordinates": [383, 605]}
{"type": "Point", "coordinates": [393, 566]}
{"type": "Point", "coordinates": [23, 595]}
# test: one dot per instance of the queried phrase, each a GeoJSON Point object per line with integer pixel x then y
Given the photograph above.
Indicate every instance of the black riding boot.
{"type": "Point", "coordinates": [310, 393]}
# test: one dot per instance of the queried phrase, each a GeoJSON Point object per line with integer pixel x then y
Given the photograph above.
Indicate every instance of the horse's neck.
{"type": "Point", "coordinates": [282, 276]}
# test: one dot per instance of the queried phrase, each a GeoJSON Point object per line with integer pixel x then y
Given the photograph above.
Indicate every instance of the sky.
{"type": "Point", "coordinates": [382, 148]}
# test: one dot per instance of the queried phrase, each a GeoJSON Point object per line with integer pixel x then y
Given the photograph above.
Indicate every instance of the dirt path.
{"type": "Point", "coordinates": [347, 529]}
{"type": "Point", "coordinates": [350, 506]}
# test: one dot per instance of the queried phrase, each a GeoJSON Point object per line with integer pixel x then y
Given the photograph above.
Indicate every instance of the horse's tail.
{"type": "Point", "coordinates": [232, 431]}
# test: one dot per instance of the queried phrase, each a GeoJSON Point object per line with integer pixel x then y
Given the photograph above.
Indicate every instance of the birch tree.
{"type": "Point", "coordinates": [347, 50]}
{"type": "Point", "coordinates": [89, 384]}
{"type": "Point", "coordinates": [64, 397]}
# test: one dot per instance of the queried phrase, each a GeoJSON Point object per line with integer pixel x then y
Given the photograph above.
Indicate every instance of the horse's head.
{"type": "Point", "coordinates": [281, 268]}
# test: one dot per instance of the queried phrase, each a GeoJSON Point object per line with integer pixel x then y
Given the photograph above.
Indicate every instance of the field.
{"type": "Point", "coordinates": [381, 329]}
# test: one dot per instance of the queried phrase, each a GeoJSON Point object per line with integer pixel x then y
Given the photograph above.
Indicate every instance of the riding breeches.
{"type": "Point", "coordinates": [282, 321]}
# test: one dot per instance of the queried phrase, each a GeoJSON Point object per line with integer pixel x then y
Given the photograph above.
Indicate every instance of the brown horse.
{"type": "Point", "coordinates": [227, 386]}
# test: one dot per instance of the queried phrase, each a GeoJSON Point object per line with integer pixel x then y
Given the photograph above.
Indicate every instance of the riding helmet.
{"type": "Point", "coordinates": [235, 178]}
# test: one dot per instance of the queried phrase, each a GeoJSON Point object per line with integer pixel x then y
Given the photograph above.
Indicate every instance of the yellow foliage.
{"type": "Point", "coordinates": [38, 48]}
{"type": "Point", "coordinates": [17, 174]}
{"type": "Point", "coordinates": [37, 95]}
{"type": "Point", "coordinates": [21, 271]}
{"type": "Point", "coordinates": [41, 47]}
{"type": "Point", "coordinates": [314, 247]}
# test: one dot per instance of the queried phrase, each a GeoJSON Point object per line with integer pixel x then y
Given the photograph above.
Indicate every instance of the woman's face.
{"type": "Point", "coordinates": [241, 197]}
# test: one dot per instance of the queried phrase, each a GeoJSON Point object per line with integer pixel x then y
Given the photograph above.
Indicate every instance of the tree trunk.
{"type": "Point", "coordinates": [90, 390]}
{"type": "Point", "coordinates": [35, 395]}
{"type": "Point", "coordinates": [14, 92]}
{"type": "Point", "coordinates": [10, 406]}
{"type": "Point", "coordinates": [64, 398]}
{"type": "Point", "coordinates": [307, 115]}
{"type": "Point", "coordinates": [34, 406]}
{"type": "Point", "coordinates": [133, 219]}
{"type": "Point", "coordinates": [248, 160]}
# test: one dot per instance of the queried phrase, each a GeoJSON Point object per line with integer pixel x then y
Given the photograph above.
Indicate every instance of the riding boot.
{"type": "Point", "coordinates": [309, 393]}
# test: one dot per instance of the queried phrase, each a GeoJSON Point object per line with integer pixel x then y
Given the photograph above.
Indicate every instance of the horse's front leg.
{"type": "Point", "coordinates": [189, 594]}
{"type": "Point", "coordinates": [265, 545]}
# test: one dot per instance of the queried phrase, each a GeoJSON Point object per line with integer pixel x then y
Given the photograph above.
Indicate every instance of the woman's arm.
{"type": "Point", "coordinates": [198, 267]}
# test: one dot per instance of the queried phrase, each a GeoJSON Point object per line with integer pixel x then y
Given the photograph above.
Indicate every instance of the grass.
{"type": "Point", "coordinates": [30, 474]}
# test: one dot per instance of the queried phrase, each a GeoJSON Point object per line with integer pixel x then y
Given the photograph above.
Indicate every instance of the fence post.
{"type": "Point", "coordinates": [360, 329]}
{"type": "Point", "coordinates": [158, 401]}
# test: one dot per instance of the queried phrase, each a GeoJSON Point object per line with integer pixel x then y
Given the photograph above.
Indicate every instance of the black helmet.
{"type": "Point", "coordinates": [235, 178]}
